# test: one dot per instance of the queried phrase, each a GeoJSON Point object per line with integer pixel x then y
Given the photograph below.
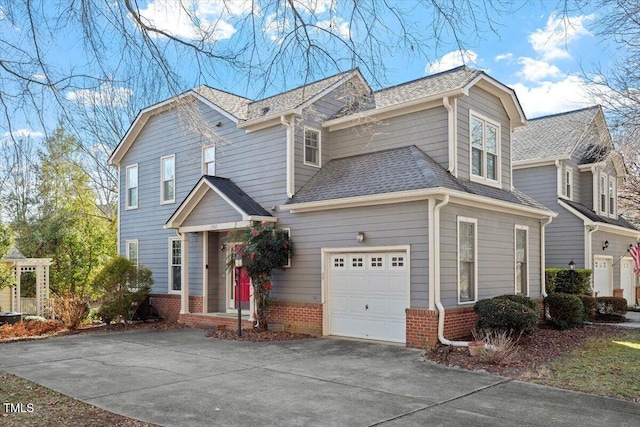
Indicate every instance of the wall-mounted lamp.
{"type": "Point", "coordinates": [238, 260]}
{"type": "Point", "coordinates": [572, 265]}
{"type": "Point", "coordinates": [360, 237]}
{"type": "Point", "coordinates": [219, 124]}
{"type": "Point", "coordinates": [223, 247]}
{"type": "Point", "coordinates": [605, 245]}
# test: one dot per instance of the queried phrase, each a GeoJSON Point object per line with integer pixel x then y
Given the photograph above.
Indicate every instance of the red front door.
{"type": "Point", "coordinates": [243, 281]}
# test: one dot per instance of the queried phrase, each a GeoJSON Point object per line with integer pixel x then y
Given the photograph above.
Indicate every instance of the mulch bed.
{"type": "Point", "coordinates": [256, 336]}
{"type": "Point", "coordinates": [534, 351]}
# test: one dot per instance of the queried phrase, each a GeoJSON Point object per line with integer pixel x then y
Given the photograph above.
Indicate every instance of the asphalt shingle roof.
{"type": "Point", "coordinates": [14, 254]}
{"type": "Point", "coordinates": [552, 136]}
{"type": "Point", "coordinates": [389, 171]}
{"type": "Point", "coordinates": [593, 216]}
{"type": "Point", "coordinates": [237, 196]}
{"type": "Point", "coordinates": [233, 104]}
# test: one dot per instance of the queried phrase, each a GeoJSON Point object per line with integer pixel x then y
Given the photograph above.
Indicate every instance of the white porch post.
{"type": "Point", "coordinates": [184, 291]}
{"type": "Point", "coordinates": [16, 289]}
{"type": "Point", "coordinates": [39, 302]}
{"type": "Point", "coordinates": [252, 304]}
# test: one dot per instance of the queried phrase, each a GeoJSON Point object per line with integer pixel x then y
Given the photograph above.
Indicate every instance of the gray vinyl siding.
{"type": "Point", "coordinates": [617, 249]}
{"type": "Point", "coordinates": [495, 253]}
{"type": "Point", "coordinates": [490, 107]}
{"type": "Point", "coordinates": [564, 240]}
{"type": "Point", "coordinates": [586, 189]}
{"type": "Point", "coordinates": [386, 225]}
{"type": "Point", "coordinates": [215, 275]}
{"type": "Point", "coordinates": [427, 129]}
{"type": "Point", "coordinates": [212, 209]}
{"type": "Point", "coordinates": [240, 156]}
{"type": "Point", "coordinates": [538, 183]}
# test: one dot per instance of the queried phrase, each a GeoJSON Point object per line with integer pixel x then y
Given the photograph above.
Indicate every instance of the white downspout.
{"type": "Point", "coordinates": [453, 143]}
{"type": "Point", "coordinates": [543, 284]}
{"type": "Point", "coordinates": [436, 275]}
{"type": "Point", "coordinates": [558, 179]}
{"type": "Point", "coordinates": [588, 255]}
{"type": "Point", "coordinates": [290, 155]}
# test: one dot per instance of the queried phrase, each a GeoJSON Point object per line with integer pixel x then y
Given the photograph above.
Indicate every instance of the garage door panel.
{"type": "Point", "coordinates": [368, 295]}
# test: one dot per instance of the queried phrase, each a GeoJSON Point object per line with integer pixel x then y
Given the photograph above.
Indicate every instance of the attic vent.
{"type": "Point", "coordinates": [265, 110]}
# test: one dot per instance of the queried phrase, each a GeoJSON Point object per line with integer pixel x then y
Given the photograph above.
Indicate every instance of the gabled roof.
{"type": "Point", "coordinates": [13, 254]}
{"type": "Point", "coordinates": [593, 216]}
{"type": "Point", "coordinates": [248, 208]}
{"type": "Point", "coordinates": [454, 82]}
{"type": "Point", "coordinates": [393, 171]}
{"type": "Point", "coordinates": [556, 136]}
{"type": "Point", "coordinates": [233, 104]}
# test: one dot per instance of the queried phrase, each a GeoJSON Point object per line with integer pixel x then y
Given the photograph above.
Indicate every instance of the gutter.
{"type": "Point", "coordinates": [436, 274]}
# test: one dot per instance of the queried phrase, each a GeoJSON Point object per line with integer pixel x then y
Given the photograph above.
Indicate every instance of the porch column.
{"type": "Point", "coordinates": [16, 289]}
{"type": "Point", "coordinates": [252, 304]}
{"type": "Point", "coordinates": [184, 271]}
{"type": "Point", "coordinates": [39, 302]}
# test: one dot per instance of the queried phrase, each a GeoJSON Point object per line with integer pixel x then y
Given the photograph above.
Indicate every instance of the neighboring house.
{"type": "Point", "coordinates": [567, 162]}
{"type": "Point", "coordinates": [399, 203]}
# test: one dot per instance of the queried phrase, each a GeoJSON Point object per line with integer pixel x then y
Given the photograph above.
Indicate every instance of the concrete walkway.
{"type": "Point", "coordinates": [182, 378]}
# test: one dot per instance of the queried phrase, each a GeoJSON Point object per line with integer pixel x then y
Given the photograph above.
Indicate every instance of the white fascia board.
{"type": "Point", "coordinates": [416, 195]}
{"type": "Point", "coordinates": [522, 164]}
{"type": "Point", "coordinates": [223, 226]}
{"type": "Point", "coordinates": [265, 122]}
{"type": "Point", "coordinates": [260, 218]}
{"type": "Point", "coordinates": [145, 114]}
{"type": "Point", "coordinates": [591, 166]}
{"type": "Point", "coordinates": [505, 94]}
{"type": "Point", "coordinates": [602, 226]}
{"type": "Point", "coordinates": [390, 111]}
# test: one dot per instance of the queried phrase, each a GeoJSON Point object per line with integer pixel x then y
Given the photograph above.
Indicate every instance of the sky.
{"type": "Point", "coordinates": [531, 50]}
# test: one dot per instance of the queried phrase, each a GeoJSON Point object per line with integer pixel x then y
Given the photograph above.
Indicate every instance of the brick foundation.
{"type": "Point", "coordinates": [618, 293]}
{"type": "Point", "coordinates": [297, 316]}
{"type": "Point", "coordinates": [168, 305]}
{"type": "Point", "coordinates": [208, 321]}
{"type": "Point", "coordinates": [422, 325]}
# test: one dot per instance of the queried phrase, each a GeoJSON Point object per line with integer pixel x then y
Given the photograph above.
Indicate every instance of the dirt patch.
{"type": "Point", "coordinates": [256, 336]}
{"type": "Point", "coordinates": [534, 351]}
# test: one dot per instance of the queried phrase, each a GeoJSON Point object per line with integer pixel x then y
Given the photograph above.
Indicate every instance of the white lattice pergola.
{"type": "Point", "coordinates": [21, 264]}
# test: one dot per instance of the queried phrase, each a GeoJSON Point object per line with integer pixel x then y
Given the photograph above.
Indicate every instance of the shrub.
{"type": "Point", "coordinates": [71, 310]}
{"type": "Point", "coordinates": [500, 347]}
{"type": "Point", "coordinates": [565, 310]}
{"type": "Point", "coordinates": [559, 280]}
{"type": "Point", "coordinates": [590, 306]}
{"type": "Point", "coordinates": [503, 315]}
{"type": "Point", "coordinates": [123, 285]}
{"type": "Point", "coordinates": [611, 307]}
{"type": "Point", "coordinates": [521, 299]}
{"type": "Point", "coordinates": [33, 319]}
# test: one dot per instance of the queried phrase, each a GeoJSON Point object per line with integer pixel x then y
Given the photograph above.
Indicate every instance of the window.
{"type": "Point", "coordinates": [311, 147]}
{"type": "Point", "coordinates": [175, 264]}
{"type": "Point", "coordinates": [209, 160]}
{"type": "Point", "coordinates": [522, 255]}
{"type": "Point", "coordinates": [603, 193]}
{"type": "Point", "coordinates": [132, 251]}
{"type": "Point", "coordinates": [467, 238]}
{"type": "Point", "coordinates": [397, 261]}
{"type": "Point", "coordinates": [132, 187]}
{"type": "Point", "coordinates": [568, 183]}
{"type": "Point", "coordinates": [357, 262]}
{"type": "Point", "coordinates": [168, 172]}
{"type": "Point", "coordinates": [485, 150]}
{"type": "Point", "coordinates": [376, 262]}
{"type": "Point", "coordinates": [612, 196]}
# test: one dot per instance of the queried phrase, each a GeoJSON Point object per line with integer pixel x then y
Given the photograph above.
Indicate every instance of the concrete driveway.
{"type": "Point", "coordinates": [182, 378]}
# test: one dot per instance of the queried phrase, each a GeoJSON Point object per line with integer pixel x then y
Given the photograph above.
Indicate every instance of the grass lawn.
{"type": "Point", "coordinates": [608, 367]}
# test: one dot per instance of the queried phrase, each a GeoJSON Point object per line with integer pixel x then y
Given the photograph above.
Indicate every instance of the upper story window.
{"type": "Point", "coordinates": [132, 187]}
{"type": "Point", "coordinates": [209, 160]}
{"type": "Point", "coordinates": [568, 183]}
{"type": "Point", "coordinates": [612, 196]}
{"type": "Point", "coordinates": [311, 147]}
{"type": "Point", "coordinates": [467, 255]}
{"type": "Point", "coordinates": [168, 175]}
{"type": "Point", "coordinates": [485, 150]}
{"type": "Point", "coordinates": [603, 193]}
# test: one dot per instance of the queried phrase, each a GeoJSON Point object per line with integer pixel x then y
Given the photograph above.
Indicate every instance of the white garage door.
{"type": "Point", "coordinates": [627, 280]}
{"type": "Point", "coordinates": [368, 295]}
{"type": "Point", "coordinates": [602, 276]}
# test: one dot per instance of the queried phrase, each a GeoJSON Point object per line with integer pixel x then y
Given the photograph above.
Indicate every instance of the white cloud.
{"type": "Point", "coordinates": [275, 28]}
{"type": "Point", "coordinates": [313, 7]}
{"type": "Point", "coordinates": [336, 25]}
{"type": "Point", "coordinates": [551, 42]}
{"type": "Point", "coordinates": [548, 97]}
{"type": "Point", "coordinates": [22, 133]}
{"type": "Point", "coordinates": [502, 57]}
{"type": "Point", "coordinates": [452, 60]}
{"type": "Point", "coordinates": [106, 95]}
{"type": "Point", "coordinates": [535, 70]}
{"type": "Point", "coordinates": [197, 20]}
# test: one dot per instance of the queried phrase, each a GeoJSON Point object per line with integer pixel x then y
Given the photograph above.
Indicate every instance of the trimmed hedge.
{"type": "Point", "coordinates": [521, 299]}
{"type": "Point", "coordinates": [559, 280]}
{"type": "Point", "coordinates": [565, 310]}
{"type": "Point", "coordinates": [503, 315]}
{"type": "Point", "coordinates": [590, 306]}
{"type": "Point", "coordinates": [611, 307]}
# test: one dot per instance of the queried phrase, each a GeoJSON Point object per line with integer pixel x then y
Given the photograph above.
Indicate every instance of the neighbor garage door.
{"type": "Point", "coordinates": [368, 295]}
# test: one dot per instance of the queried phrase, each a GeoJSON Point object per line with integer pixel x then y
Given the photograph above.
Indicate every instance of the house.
{"type": "Point", "coordinates": [399, 202]}
{"type": "Point", "coordinates": [568, 163]}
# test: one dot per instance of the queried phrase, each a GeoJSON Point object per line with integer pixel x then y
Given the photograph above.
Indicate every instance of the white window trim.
{"type": "Point", "coordinates": [614, 196]}
{"type": "Point", "coordinates": [162, 200]}
{"type": "Point", "coordinates": [170, 266]}
{"type": "Point", "coordinates": [603, 190]}
{"type": "Point", "coordinates": [288, 231]}
{"type": "Point", "coordinates": [568, 176]}
{"type": "Point", "coordinates": [304, 146]}
{"type": "Point", "coordinates": [515, 260]}
{"type": "Point", "coordinates": [128, 254]}
{"type": "Point", "coordinates": [204, 164]}
{"type": "Point", "coordinates": [127, 207]}
{"type": "Point", "coordinates": [483, 179]}
{"type": "Point", "coordinates": [474, 221]}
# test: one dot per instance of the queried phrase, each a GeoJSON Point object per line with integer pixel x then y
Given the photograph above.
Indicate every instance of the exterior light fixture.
{"type": "Point", "coordinates": [605, 245]}
{"type": "Point", "coordinates": [572, 265]}
{"type": "Point", "coordinates": [238, 264]}
{"type": "Point", "coordinates": [360, 237]}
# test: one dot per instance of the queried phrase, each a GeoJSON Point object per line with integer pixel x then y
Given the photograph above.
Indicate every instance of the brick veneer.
{"type": "Point", "coordinates": [168, 305]}
{"type": "Point", "coordinates": [297, 316]}
{"type": "Point", "coordinates": [422, 325]}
